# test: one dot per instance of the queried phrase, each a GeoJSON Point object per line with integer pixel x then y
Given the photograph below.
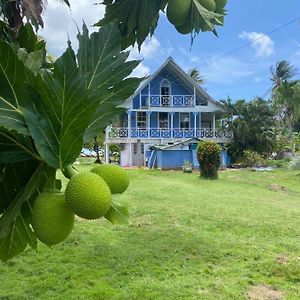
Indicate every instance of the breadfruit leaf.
{"type": "Point", "coordinates": [136, 18]}
{"type": "Point", "coordinates": [18, 190]}
{"type": "Point", "coordinates": [117, 214]}
{"type": "Point", "coordinates": [108, 108]}
{"type": "Point", "coordinates": [15, 147]}
{"type": "Point", "coordinates": [13, 90]}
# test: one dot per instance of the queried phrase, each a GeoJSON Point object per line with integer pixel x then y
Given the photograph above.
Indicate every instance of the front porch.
{"type": "Point", "coordinates": [113, 133]}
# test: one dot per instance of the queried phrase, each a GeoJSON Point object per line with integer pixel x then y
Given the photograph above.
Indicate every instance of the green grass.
{"type": "Point", "coordinates": [188, 239]}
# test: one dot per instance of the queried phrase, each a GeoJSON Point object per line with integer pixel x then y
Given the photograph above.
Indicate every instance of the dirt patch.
{"type": "Point", "coordinates": [283, 259]}
{"type": "Point", "coordinates": [277, 188]}
{"type": "Point", "coordinates": [264, 292]}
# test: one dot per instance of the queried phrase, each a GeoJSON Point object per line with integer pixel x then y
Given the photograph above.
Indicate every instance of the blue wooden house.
{"type": "Point", "coordinates": [169, 108]}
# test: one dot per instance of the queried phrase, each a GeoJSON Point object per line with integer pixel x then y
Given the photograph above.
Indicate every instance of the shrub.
{"type": "Point", "coordinates": [294, 164]}
{"type": "Point", "coordinates": [253, 159]}
{"type": "Point", "coordinates": [208, 154]}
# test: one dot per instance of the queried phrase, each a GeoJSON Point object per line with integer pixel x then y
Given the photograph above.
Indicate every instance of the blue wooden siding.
{"type": "Point", "coordinates": [174, 159]}
{"type": "Point", "coordinates": [177, 88]}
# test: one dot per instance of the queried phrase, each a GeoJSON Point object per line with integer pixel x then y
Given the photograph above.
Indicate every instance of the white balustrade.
{"type": "Point", "coordinates": [176, 133]}
{"type": "Point", "coordinates": [168, 101]}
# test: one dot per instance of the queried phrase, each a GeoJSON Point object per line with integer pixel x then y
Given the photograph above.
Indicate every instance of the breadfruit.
{"type": "Point", "coordinates": [116, 177]}
{"type": "Point", "coordinates": [88, 195]}
{"type": "Point", "coordinates": [220, 3]}
{"type": "Point", "coordinates": [208, 4]}
{"type": "Point", "coordinates": [52, 219]}
{"type": "Point", "coordinates": [178, 11]}
{"type": "Point", "coordinates": [184, 29]}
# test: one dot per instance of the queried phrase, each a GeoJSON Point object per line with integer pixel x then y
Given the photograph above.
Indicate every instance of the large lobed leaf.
{"type": "Point", "coordinates": [13, 90]}
{"type": "Point", "coordinates": [19, 185]}
{"type": "Point", "coordinates": [74, 100]}
{"type": "Point", "coordinates": [136, 18]}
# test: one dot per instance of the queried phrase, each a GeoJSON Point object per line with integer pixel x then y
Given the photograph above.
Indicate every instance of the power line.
{"type": "Point", "coordinates": [221, 57]}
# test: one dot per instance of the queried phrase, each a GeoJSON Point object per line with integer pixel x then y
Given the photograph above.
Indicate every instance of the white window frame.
{"type": "Point", "coordinates": [189, 122]}
{"type": "Point", "coordinates": [158, 120]}
{"type": "Point", "coordinates": [139, 121]}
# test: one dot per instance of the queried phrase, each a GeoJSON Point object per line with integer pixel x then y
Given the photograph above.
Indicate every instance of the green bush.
{"type": "Point", "coordinates": [253, 159]}
{"type": "Point", "coordinates": [208, 155]}
{"type": "Point", "coordinates": [294, 164]}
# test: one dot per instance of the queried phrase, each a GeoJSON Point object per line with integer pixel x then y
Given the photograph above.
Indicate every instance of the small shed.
{"type": "Point", "coordinates": [173, 156]}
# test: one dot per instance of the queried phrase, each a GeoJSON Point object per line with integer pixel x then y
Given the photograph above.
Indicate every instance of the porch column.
{"type": "Point", "coordinates": [140, 100]}
{"type": "Point", "coordinates": [172, 124]}
{"type": "Point", "coordinates": [214, 125]}
{"type": "Point", "coordinates": [148, 113]}
{"type": "Point", "coordinates": [195, 96]}
{"type": "Point", "coordinates": [149, 94]}
{"type": "Point", "coordinates": [195, 123]}
{"type": "Point", "coordinates": [130, 154]}
{"type": "Point", "coordinates": [106, 153]}
{"type": "Point", "coordinates": [129, 124]}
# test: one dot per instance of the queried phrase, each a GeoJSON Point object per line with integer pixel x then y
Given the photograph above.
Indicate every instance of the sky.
{"type": "Point", "coordinates": [236, 64]}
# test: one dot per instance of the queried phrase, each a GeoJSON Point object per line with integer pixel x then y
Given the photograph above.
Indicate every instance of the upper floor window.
{"type": "Point", "coordinates": [141, 120]}
{"type": "Point", "coordinates": [165, 92]}
{"type": "Point", "coordinates": [201, 102]}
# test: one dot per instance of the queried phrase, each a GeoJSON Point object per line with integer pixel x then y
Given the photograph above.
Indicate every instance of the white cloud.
{"type": "Point", "coordinates": [151, 49]}
{"type": "Point", "coordinates": [262, 43]}
{"type": "Point", "coordinates": [140, 71]}
{"type": "Point", "coordinates": [60, 22]}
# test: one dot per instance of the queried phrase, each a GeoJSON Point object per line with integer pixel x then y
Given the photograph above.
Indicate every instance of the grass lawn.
{"type": "Point", "coordinates": [233, 238]}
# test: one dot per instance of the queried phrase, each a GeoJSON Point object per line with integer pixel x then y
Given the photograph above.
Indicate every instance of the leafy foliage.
{"type": "Point", "coordinates": [137, 19]}
{"type": "Point", "coordinates": [208, 154]}
{"type": "Point", "coordinates": [253, 159]}
{"type": "Point", "coordinates": [45, 114]}
{"type": "Point", "coordinates": [252, 124]}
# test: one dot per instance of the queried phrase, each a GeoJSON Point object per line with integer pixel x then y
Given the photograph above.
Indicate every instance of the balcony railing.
{"type": "Point", "coordinates": [167, 101]}
{"type": "Point", "coordinates": [203, 133]}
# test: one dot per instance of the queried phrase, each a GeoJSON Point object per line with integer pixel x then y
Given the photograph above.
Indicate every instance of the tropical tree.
{"type": "Point", "coordinates": [286, 96]}
{"type": "Point", "coordinates": [196, 75]}
{"type": "Point", "coordinates": [251, 124]}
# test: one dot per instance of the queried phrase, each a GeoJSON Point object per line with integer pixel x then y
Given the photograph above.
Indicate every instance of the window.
{"type": "Point", "coordinates": [184, 120]}
{"type": "Point", "coordinates": [141, 120]}
{"type": "Point", "coordinates": [163, 120]}
{"type": "Point", "coordinates": [165, 92]}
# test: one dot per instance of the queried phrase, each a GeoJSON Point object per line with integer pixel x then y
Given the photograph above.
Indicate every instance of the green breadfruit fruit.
{"type": "Point", "coordinates": [178, 11]}
{"type": "Point", "coordinates": [88, 196]}
{"type": "Point", "coordinates": [52, 219]}
{"type": "Point", "coordinates": [116, 177]}
{"type": "Point", "coordinates": [185, 28]}
{"type": "Point", "coordinates": [220, 4]}
{"type": "Point", "coordinates": [208, 4]}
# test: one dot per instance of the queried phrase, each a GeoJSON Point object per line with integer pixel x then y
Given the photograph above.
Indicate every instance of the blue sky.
{"type": "Point", "coordinates": [243, 74]}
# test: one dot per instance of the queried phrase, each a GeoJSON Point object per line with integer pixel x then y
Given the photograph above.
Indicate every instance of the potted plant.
{"type": "Point", "coordinates": [187, 167]}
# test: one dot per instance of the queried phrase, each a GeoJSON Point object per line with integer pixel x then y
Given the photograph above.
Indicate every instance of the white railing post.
{"type": "Point", "coordinates": [107, 153]}
{"type": "Point", "coordinates": [195, 123]}
{"type": "Point", "coordinates": [148, 114]}
{"type": "Point", "coordinates": [214, 125]}
{"type": "Point", "coordinates": [129, 124]}
{"type": "Point", "coordinates": [172, 124]}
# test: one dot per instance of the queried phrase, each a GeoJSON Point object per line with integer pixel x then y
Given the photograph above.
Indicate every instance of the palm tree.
{"type": "Point", "coordinates": [286, 95]}
{"type": "Point", "coordinates": [282, 71]}
{"type": "Point", "coordinates": [196, 75]}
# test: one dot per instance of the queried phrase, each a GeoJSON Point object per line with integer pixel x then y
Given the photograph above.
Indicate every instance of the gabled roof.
{"type": "Point", "coordinates": [179, 72]}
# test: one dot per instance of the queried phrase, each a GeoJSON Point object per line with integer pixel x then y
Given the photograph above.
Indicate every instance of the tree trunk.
{"type": "Point", "coordinates": [291, 132]}
{"type": "Point", "coordinates": [96, 149]}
